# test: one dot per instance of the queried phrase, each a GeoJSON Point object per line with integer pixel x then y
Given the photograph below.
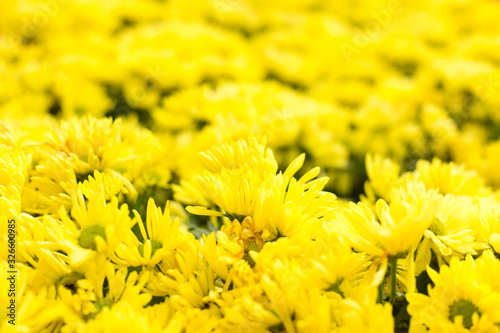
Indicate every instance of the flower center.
{"type": "Point", "coordinates": [69, 281]}
{"type": "Point", "coordinates": [87, 236]}
{"type": "Point", "coordinates": [252, 246]}
{"type": "Point", "coordinates": [155, 245]}
{"type": "Point", "coordinates": [465, 309]}
{"type": "Point", "coordinates": [437, 227]}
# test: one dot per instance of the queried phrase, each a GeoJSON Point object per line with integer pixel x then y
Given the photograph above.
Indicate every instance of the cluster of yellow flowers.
{"type": "Point", "coordinates": [249, 166]}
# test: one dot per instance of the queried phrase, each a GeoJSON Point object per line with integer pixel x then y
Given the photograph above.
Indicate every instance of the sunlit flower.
{"type": "Point", "coordinates": [396, 227]}
{"type": "Point", "coordinates": [460, 301]}
{"type": "Point", "coordinates": [449, 178]}
{"type": "Point", "coordinates": [278, 203]}
{"type": "Point", "coordinates": [94, 227]}
{"type": "Point", "coordinates": [486, 221]}
{"type": "Point", "coordinates": [163, 243]}
{"type": "Point", "coordinates": [450, 233]}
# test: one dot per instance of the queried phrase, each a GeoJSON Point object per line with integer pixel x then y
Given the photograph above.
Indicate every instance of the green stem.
{"type": "Point", "coordinates": [394, 265]}
{"type": "Point", "coordinates": [380, 297]}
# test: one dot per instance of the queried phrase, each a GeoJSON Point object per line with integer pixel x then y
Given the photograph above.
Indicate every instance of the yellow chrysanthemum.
{"type": "Point", "coordinates": [197, 290]}
{"type": "Point", "coordinates": [326, 262]}
{"type": "Point", "coordinates": [243, 182]}
{"type": "Point", "coordinates": [221, 252]}
{"type": "Point", "coordinates": [361, 313]}
{"type": "Point", "coordinates": [486, 222]}
{"type": "Point", "coordinates": [449, 178]}
{"type": "Point", "coordinates": [111, 183]}
{"type": "Point", "coordinates": [460, 301]}
{"type": "Point", "coordinates": [14, 165]}
{"type": "Point", "coordinates": [396, 227]}
{"type": "Point", "coordinates": [163, 243]}
{"type": "Point", "coordinates": [383, 174]}
{"type": "Point", "coordinates": [103, 143]}
{"type": "Point", "coordinates": [34, 310]}
{"type": "Point", "coordinates": [246, 309]}
{"type": "Point", "coordinates": [93, 227]}
{"type": "Point", "coordinates": [124, 317]}
{"type": "Point", "coordinates": [450, 233]}
{"type": "Point", "coordinates": [52, 185]}
{"type": "Point", "coordinates": [104, 287]}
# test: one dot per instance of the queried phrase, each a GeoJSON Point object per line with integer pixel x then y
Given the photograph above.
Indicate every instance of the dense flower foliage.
{"type": "Point", "coordinates": [251, 166]}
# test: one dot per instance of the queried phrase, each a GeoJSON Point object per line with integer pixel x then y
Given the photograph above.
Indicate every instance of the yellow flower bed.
{"type": "Point", "coordinates": [249, 166]}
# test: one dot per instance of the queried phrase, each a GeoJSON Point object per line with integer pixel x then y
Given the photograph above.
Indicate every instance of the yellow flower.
{"type": "Point", "coordinates": [91, 144]}
{"type": "Point", "coordinates": [460, 301]}
{"type": "Point", "coordinates": [121, 287]}
{"type": "Point", "coordinates": [14, 166]}
{"type": "Point", "coordinates": [95, 227]}
{"type": "Point", "coordinates": [124, 317]}
{"type": "Point", "coordinates": [246, 309]}
{"type": "Point", "coordinates": [361, 313]}
{"type": "Point", "coordinates": [396, 227]}
{"type": "Point", "coordinates": [487, 268]}
{"type": "Point", "coordinates": [450, 233]}
{"type": "Point", "coordinates": [243, 182]}
{"type": "Point", "coordinates": [449, 178]}
{"type": "Point", "coordinates": [34, 310]}
{"type": "Point", "coordinates": [102, 143]}
{"type": "Point", "coordinates": [236, 167]}
{"type": "Point", "coordinates": [111, 183]}
{"type": "Point", "coordinates": [163, 243]}
{"type": "Point", "coordinates": [383, 174]}
{"type": "Point", "coordinates": [298, 304]}
{"type": "Point", "coordinates": [221, 252]}
{"type": "Point", "coordinates": [486, 222]}
{"type": "Point", "coordinates": [197, 290]}
{"type": "Point", "coordinates": [56, 276]}
{"type": "Point", "coordinates": [51, 185]}
{"type": "Point", "coordinates": [325, 262]}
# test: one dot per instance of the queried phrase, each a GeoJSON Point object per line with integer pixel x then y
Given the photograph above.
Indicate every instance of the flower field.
{"type": "Point", "coordinates": [249, 166]}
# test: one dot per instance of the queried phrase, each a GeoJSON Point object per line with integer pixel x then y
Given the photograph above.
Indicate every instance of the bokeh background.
{"type": "Point", "coordinates": [333, 79]}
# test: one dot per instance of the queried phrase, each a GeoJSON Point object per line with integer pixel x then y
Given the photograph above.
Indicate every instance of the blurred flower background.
{"type": "Point", "coordinates": [251, 166]}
